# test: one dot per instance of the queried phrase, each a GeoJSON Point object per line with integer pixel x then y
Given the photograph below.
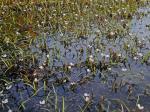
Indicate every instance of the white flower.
{"type": "Point", "coordinates": [40, 8]}
{"type": "Point", "coordinates": [87, 97]}
{"type": "Point", "coordinates": [140, 107]}
{"type": "Point", "coordinates": [128, 45]}
{"type": "Point", "coordinates": [97, 31]}
{"type": "Point", "coordinates": [140, 54]}
{"type": "Point", "coordinates": [124, 69]}
{"type": "Point", "coordinates": [98, 50]}
{"type": "Point", "coordinates": [8, 87]}
{"type": "Point", "coordinates": [4, 55]}
{"type": "Point", "coordinates": [88, 70]}
{"type": "Point", "coordinates": [86, 94]}
{"type": "Point", "coordinates": [17, 33]}
{"type": "Point", "coordinates": [89, 46]}
{"type": "Point", "coordinates": [41, 67]}
{"type": "Point", "coordinates": [66, 22]}
{"type": "Point", "coordinates": [64, 14]}
{"type": "Point", "coordinates": [122, 20]}
{"type": "Point", "coordinates": [64, 81]}
{"type": "Point", "coordinates": [10, 110]}
{"type": "Point", "coordinates": [91, 60]}
{"type": "Point", "coordinates": [91, 56]}
{"type": "Point", "coordinates": [72, 83]}
{"type": "Point", "coordinates": [76, 14]}
{"type": "Point", "coordinates": [96, 15]}
{"type": "Point", "coordinates": [105, 20]}
{"type": "Point", "coordinates": [107, 56]}
{"type": "Point", "coordinates": [47, 55]}
{"type": "Point", "coordinates": [112, 33]}
{"type": "Point", "coordinates": [69, 67]}
{"type": "Point", "coordinates": [5, 101]}
{"type": "Point", "coordinates": [135, 58]}
{"type": "Point", "coordinates": [21, 59]}
{"type": "Point", "coordinates": [35, 80]}
{"type": "Point", "coordinates": [42, 102]}
{"type": "Point", "coordinates": [61, 34]}
{"type": "Point", "coordinates": [71, 64]}
{"type": "Point", "coordinates": [139, 42]}
{"type": "Point", "coordinates": [130, 34]}
{"type": "Point", "coordinates": [119, 55]}
{"type": "Point", "coordinates": [34, 73]}
{"type": "Point", "coordinates": [109, 69]}
{"type": "Point", "coordinates": [102, 54]}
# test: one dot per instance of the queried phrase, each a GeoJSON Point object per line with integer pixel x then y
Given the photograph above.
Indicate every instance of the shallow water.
{"type": "Point", "coordinates": [97, 83]}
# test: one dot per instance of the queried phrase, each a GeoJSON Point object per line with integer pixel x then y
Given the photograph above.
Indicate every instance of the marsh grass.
{"type": "Point", "coordinates": [27, 24]}
{"type": "Point", "coordinates": [22, 22]}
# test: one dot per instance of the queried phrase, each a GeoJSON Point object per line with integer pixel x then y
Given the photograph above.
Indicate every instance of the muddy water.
{"type": "Point", "coordinates": [97, 83]}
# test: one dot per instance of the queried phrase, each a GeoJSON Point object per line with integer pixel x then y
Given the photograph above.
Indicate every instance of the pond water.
{"type": "Point", "coordinates": [70, 75]}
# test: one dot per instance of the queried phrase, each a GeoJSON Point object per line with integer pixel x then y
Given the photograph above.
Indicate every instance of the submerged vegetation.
{"type": "Point", "coordinates": [74, 55]}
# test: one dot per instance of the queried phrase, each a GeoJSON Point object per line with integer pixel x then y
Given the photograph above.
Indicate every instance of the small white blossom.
{"type": "Point", "coordinates": [140, 54]}
{"type": "Point", "coordinates": [76, 14]}
{"type": "Point", "coordinates": [17, 33]}
{"type": "Point", "coordinates": [88, 70]}
{"type": "Point", "coordinates": [124, 69]}
{"type": "Point", "coordinates": [87, 97]}
{"type": "Point", "coordinates": [128, 45]}
{"type": "Point", "coordinates": [8, 87]}
{"type": "Point", "coordinates": [47, 55]}
{"type": "Point", "coordinates": [71, 64]}
{"type": "Point", "coordinates": [40, 8]}
{"type": "Point", "coordinates": [102, 54]}
{"type": "Point", "coordinates": [91, 60]}
{"type": "Point", "coordinates": [89, 46]}
{"type": "Point", "coordinates": [64, 81]}
{"type": "Point", "coordinates": [34, 73]}
{"type": "Point", "coordinates": [107, 56]}
{"type": "Point", "coordinates": [5, 101]}
{"type": "Point", "coordinates": [10, 110]}
{"type": "Point", "coordinates": [21, 59]}
{"type": "Point", "coordinates": [72, 83]}
{"type": "Point", "coordinates": [105, 20]}
{"type": "Point", "coordinates": [64, 14]}
{"type": "Point", "coordinates": [98, 31]}
{"type": "Point", "coordinates": [96, 15]}
{"type": "Point", "coordinates": [61, 34]}
{"type": "Point", "coordinates": [35, 80]}
{"type": "Point", "coordinates": [140, 107]}
{"type": "Point", "coordinates": [42, 102]}
{"type": "Point", "coordinates": [69, 67]}
{"type": "Point", "coordinates": [86, 94]}
{"type": "Point", "coordinates": [119, 55]}
{"type": "Point", "coordinates": [98, 50]}
{"type": "Point", "coordinates": [135, 58]}
{"type": "Point", "coordinates": [91, 56]}
{"type": "Point", "coordinates": [112, 33]}
{"type": "Point", "coordinates": [109, 69]}
{"type": "Point", "coordinates": [130, 34]}
{"type": "Point", "coordinates": [4, 55]}
{"type": "Point", "coordinates": [41, 67]}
